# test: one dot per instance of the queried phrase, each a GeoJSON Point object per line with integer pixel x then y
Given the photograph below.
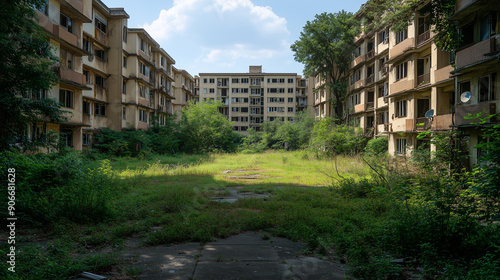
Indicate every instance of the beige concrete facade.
{"type": "Point", "coordinates": [477, 69]}
{"type": "Point", "coordinates": [184, 90]}
{"type": "Point", "coordinates": [112, 76]}
{"type": "Point", "coordinates": [251, 98]}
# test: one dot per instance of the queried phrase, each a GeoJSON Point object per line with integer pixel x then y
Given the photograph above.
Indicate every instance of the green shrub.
{"type": "Point", "coordinates": [54, 186]}
{"type": "Point", "coordinates": [377, 146]}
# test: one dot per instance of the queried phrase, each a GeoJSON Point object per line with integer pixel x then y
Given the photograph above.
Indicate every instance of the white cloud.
{"type": "Point", "coordinates": [221, 31]}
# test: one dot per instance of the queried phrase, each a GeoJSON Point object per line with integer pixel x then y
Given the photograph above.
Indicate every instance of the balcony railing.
{"type": "Point", "coordinates": [370, 55]}
{"type": "Point", "coordinates": [422, 124]}
{"type": "Point", "coordinates": [423, 79]}
{"type": "Point", "coordinates": [370, 105]}
{"type": "Point", "coordinates": [384, 69]}
{"type": "Point", "coordinates": [369, 80]}
{"type": "Point", "coordinates": [422, 38]}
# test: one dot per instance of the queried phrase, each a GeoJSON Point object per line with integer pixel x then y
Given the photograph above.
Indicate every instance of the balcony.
{"type": "Point", "coordinates": [71, 76]}
{"type": "Point", "coordinates": [465, 111]}
{"type": "Point", "coordinates": [423, 79]}
{"type": "Point", "coordinates": [402, 47]}
{"type": "Point", "coordinates": [401, 85]}
{"type": "Point", "coordinates": [475, 53]}
{"type": "Point", "coordinates": [99, 92]}
{"type": "Point", "coordinates": [369, 105]}
{"type": "Point", "coordinates": [100, 36]}
{"type": "Point", "coordinates": [359, 108]}
{"type": "Point", "coordinates": [65, 35]}
{"type": "Point", "coordinates": [424, 37]}
{"type": "Point", "coordinates": [384, 70]}
{"type": "Point", "coordinates": [442, 73]}
{"type": "Point", "coordinates": [369, 80]}
{"type": "Point", "coordinates": [358, 60]}
{"type": "Point", "coordinates": [442, 122]}
{"type": "Point", "coordinates": [370, 55]}
{"type": "Point", "coordinates": [422, 124]}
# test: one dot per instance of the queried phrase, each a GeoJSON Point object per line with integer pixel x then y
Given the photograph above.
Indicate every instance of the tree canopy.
{"type": "Point", "coordinates": [25, 61]}
{"type": "Point", "coordinates": [324, 47]}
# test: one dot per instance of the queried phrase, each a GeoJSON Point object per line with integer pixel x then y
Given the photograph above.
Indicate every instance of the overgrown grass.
{"type": "Point", "coordinates": [168, 200]}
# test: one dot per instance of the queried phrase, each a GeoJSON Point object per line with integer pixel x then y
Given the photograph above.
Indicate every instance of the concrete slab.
{"type": "Point", "coordinates": [241, 239]}
{"type": "Point", "coordinates": [236, 252]}
{"type": "Point", "coordinates": [286, 248]}
{"type": "Point", "coordinates": [175, 262]}
{"type": "Point", "coordinates": [239, 271]}
{"type": "Point", "coordinates": [314, 269]}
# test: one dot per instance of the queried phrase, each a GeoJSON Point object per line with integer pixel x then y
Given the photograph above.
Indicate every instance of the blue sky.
{"type": "Point", "coordinates": [206, 36]}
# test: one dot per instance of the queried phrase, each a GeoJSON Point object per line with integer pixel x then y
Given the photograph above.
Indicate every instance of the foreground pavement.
{"type": "Point", "coordinates": [242, 257]}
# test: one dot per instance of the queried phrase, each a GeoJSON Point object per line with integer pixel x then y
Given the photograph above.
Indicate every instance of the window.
{"type": "Point", "coordinates": [67, 137]}
{"type": "Point", "coordinates": [162, 62]}
{"type": "Point", "coordinates": [85, 139]}
{"type": "Point", "coordinates": [290, 109]}
{"type": "Point", "coordinates": [382, 37]}
{"type": "Point", "coordinates": [276, 109]}
{"type": "Point", "coordinates": [290, 81]}
{"type": "Point", "coordinates": [86, 45]}
{"type": "Point", "coordinates": [143, 92]}
{"type": "Point", "coordinates": [243, 128]}
{"type": "Point", "coordinates": [125, 34]}
{"type": "Point", "coordinates": [124, 113]}
{"type": "Point", "coordinates": [87, 77]}
{"type": "Point", "coordinates": [144, 69]}
{"type": "Point", "coordinates": [235, 119]}
{"type": "Point", "coordinates": [66, 22]}
{"type": "Point", "coordinates": [212, 81]}
{"type": "Point", "coordinates": [487, 88]}
{"type": "Point", "coordinates": [101, 25]}
{"type": "Point", "coordinates": [86, 107]}
{"type": "Point", "coordinates": [401, 146]}
{"type": "Point", "coordinates": [235, 109]}
{"type": "Point", "coordinates": [290, 90]}
{"type": "Point", "coordinates": [244, 109]}
{"type": "Point", "coordinates": [205, 81]}
{"type": "Point", "coordinates": [234, 90]}
{"type": "Point", "coordinates": [467, 33]}
{"type": "Point", "coordinates": [101, 54]}
{"type": "Point", "coordinates": [66, 98]}
{"type": "Point", "coordinates": [143, 45]}
{"type": "Point", "coordinates": [290, 100]}
{"type": "Point", "coordinates": [245, 100]}
{"type": "Point", "coordinates": [235, 100]}
{"type": "Point", "coordinates": [100, 109]}
{"type": "Point", "coordinates": [45, 8]}
{"type": "Point", "coordinates": [383, 117]}
{"type": "Point", "coordinates": [463, 87]}
{"type": "Point", "coordinates": [125, 61]}
{"type": "Point", "coordinates": [243, 90]}
{"type": "Point", "coordinates": [143, 116]}
{"type": "Point", "coordinates": [357, 75]}
{"type": "Point", "coordinates": [401, 71]}
{"type": "Point", "coordinates": [100, 81]}
{"type": "Point", "coordinates": [401, 108]}
{"type": "Point", "coordinates": [244, 81]}
{"type": "Point", "coordinates": [244, 119]}
{"type": "Point", "coordinates": [212, 90]}
{"type": "Point", "coordinates": [66, 59]}
{"type": "Point", "coordinates": [124, 87]}
{"type": "Point", "coordinates": [382, 90]}
{"type": "Point", "coordinates": [401, 36]}
{"type": "Point", "coordinates": [235, 81]}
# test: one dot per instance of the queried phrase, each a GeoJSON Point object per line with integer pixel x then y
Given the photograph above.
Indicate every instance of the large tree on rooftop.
{"type": "Point", "coordinates": [25, 61]}
{"type": "Point", "coordinates": [324, 47]}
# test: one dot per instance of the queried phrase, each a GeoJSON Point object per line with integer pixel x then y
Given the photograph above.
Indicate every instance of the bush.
{"type": "Point", "coordinates": [54, 186]}
{"type": "Point", "coordinates": [336, 139]}
{"type": "Point", "coordinates": [377, 146]}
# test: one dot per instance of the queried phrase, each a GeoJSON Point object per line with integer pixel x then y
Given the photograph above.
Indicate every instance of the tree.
{"type": "Point", "coordinates": [203, 129]}
{"type": "Point", "coordinates": [324, 47]}
{"type": "Point", "coordinates": [397, 14]}
{"type": "Point", "coordinates": [25, 67]}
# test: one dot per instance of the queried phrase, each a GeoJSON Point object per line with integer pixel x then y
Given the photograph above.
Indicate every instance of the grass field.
{"type": "Point", "coordinates": [168, 200]}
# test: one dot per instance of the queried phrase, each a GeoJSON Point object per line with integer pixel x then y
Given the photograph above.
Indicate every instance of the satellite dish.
{"type": "Point", "coordinates": [465, 97]}
{"type": "Point", "coordinates": [429, 114]}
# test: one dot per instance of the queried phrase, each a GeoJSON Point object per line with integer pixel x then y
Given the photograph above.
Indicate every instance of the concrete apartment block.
{"type": "Point", "coordinates": [251, 98]}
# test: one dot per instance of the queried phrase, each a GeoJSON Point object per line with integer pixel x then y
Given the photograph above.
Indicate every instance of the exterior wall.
{"type": "Point", "coordinates": [244, 104]}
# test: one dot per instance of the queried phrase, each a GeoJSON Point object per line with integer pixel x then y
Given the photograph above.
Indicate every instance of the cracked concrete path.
{"type": "Point", "coordinates": [244, 256]}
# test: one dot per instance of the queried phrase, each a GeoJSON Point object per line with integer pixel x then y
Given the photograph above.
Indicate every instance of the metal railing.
{"type": "Point", "coordinates": [423, 79]}
{"type": "Point", "coordinates": [422, 38]}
